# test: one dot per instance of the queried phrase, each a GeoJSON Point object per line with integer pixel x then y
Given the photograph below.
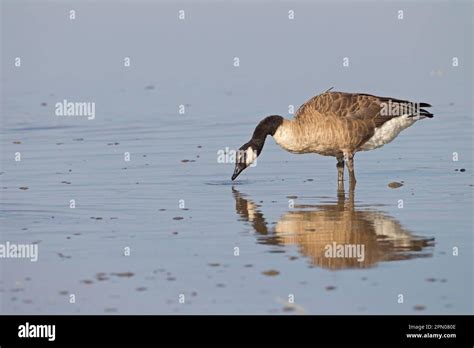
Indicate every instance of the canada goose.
{"type": "Point", "coordinates": [335, 124]}
{"type": "Point", "coordinates": [313, 227]}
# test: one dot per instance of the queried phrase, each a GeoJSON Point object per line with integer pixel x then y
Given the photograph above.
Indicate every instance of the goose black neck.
{"type": "Point", "coordinates": [267, 126]}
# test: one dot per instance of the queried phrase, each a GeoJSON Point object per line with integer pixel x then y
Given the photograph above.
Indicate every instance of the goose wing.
{"type": "Point", "coordinates": [359, 106]}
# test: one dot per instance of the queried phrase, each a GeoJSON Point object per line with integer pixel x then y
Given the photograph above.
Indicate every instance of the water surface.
{"type": "Point", "coordinates": [173, 205]}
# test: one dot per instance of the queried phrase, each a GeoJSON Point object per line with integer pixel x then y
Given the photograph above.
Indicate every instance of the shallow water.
{"type": "Point", "coordinates": [174, 206]}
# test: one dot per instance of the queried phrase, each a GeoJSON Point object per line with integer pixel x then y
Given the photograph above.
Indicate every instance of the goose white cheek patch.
{"type": "Point", "coordinates": [250, 158]}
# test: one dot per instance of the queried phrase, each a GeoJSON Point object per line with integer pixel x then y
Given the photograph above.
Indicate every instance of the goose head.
{"type": "Point", "coordinates": [245, 156]}
{"type": "Point", "coordinates": [248, 153]}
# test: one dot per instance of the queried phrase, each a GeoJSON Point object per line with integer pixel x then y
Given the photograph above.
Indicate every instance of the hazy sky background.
{"type": "Point", "coordinates": [281, 61]}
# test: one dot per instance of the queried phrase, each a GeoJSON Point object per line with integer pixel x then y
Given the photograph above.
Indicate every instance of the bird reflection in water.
{"type": "Point", "coordinates": [318, 230]}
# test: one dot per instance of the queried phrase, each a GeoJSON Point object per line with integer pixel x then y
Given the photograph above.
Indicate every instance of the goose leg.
{"type": "Point", "coordinates": [340, 172]}
{"type": "Point", "coordinates": [349, 159]}
{"type": "Point", "coordinates": [340, 168]}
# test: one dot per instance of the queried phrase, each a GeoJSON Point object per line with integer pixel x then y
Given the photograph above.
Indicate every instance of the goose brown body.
{"type": "Point", "coordinates": [336, 124]}
{"type": "Point", "coordinates": [333, 123]}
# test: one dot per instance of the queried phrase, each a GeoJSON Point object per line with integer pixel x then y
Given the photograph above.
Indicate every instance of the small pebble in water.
{"type": "Point", "coordinates": [123, 274]}
{"type": "Point", "coordinates": [395, 184]}
{"type": "Point", "coordinates": [271, 273]}
{"type": "Point", "coordinates": [101, 276]}
{"type": "Point", "coordinates": [419, 307]}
